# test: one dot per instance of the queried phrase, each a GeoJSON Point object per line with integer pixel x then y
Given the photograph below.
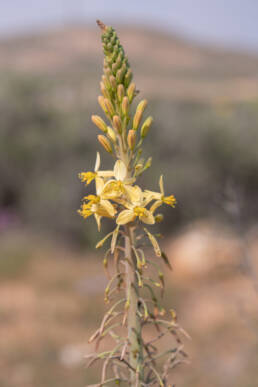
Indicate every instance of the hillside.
{"type": "Point", "coordinates": [164, 65]}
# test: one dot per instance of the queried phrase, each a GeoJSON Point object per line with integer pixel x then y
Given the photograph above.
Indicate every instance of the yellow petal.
{"type": "Point", "coordinates": [135, 193]}
{"type": "Point", "coordinates": [147, 217]}
{"type": "Point", "coordinates": [108, 207]}
{"type": "Point", "coordinates": [125, 216]}
{"type": "Point", "coordinates": [155, 205]}
{"type": "Point", "coordinates": [99, 185]}
{"type": "Point", "coordinates": [105, 173]}
{"type": "Point", "coordinates": [120, 170]}
{"type": "Point", "coordinates": [98, 220]}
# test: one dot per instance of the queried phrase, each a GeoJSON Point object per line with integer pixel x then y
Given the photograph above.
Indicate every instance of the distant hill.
{"type": "Point", "coordinates": [164, 66]}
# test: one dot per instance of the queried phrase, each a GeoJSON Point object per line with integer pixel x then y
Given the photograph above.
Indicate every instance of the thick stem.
{"type": "Point", "coordinates": [133, 320]}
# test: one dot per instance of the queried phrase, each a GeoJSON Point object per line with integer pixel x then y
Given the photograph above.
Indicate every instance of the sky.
{"type": "Point", "coordinates": [223, 22]}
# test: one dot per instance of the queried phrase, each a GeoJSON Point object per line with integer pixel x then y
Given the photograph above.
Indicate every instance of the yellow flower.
{"type": "Point", "coordinates": [159, 197]}
{"type": "Point", "coordinates": [96, 205]}
{"type": "Point", "coordinates": [87, 177]}
{"type": "Point", "coordinates": [120, 186]}
{"type": "Point", "coordinates": [136, 209]}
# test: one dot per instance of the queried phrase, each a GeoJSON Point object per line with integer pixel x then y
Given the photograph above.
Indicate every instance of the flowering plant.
{"type": "Point", "coordinates": [133, 361]}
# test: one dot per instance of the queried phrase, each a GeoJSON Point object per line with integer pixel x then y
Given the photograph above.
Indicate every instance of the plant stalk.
{"type": "Point", "coordinates": [133, 319]}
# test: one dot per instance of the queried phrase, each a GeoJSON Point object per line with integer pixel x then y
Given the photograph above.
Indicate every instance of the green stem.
{"type": "Point", "coordinates": [133, 320]}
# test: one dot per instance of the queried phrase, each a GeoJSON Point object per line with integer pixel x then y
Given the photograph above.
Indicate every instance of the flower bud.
{"type": "Point", "coordinates": [131, 139]}
{"type": "Point", "coordinates": [148, 163]}
{"type": "Point", "coordinates": [159, 218]}
{"type": "Point", "coordinates": [104, 90]}
{"type": "Point", "coordinates": [128, 78]}
{"type": "Point", "coordinates": [109, 106]}
{"type": "Point", "coordinates": [112, 81]}
{"type": "Point", "coordinates": [99, 123]}
{"type": "Point", "coordinates": [120, 92]}
{"type": "Point", "coordinates": [101, 101]}
{"type": "Point", "coordinates": [125, 106]}
{"type": "Point", "coordinates": [111, 134]}
{"type": "Point", "coordinates": [117, 124]}
{"type": "Point", "coordinates": [130, 92]}
{"type": "Point", "coordinates": [106, 82]}
{"type": "Point", "coordinates": [146, 127]}
{"type": "Point", "coordinates": [105, 143]}
{"type": "Point", "coordinates": [139, 112]}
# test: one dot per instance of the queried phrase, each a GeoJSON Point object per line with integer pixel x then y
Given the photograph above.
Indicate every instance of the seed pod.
{"type": "Point", "coordinates": [101, 101]}
{"type": "Point", "coordinates": [146, 126]}
{"type": "Point", "coordinates": [99, 123]}
{"type": "Point", "coordinates": [117, 124]}
{"type": "Point", "coordinates": [111, 134]}
{"type": "Point", "coordinates": [139, 112]}
{"type": "Point", "coordinates": [131, 91]}
{"type": "Point", "coordinates": [105, 143]}
{"type": "Point", "coordinates": [109, 106]}
{"type": "Point", "coordinates": [125, 106]}
{"type": "Point", "coordinates": [120, 92]}
{"type": "Point", "coordinates": [131, 139]}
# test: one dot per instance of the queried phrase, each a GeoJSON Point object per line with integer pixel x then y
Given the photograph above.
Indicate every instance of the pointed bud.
{"type": "Point", "coordinates": [120, 92]}
{"type": "Point", "coordinates": [112, 81]}
{"type": "Point", "coordinates": [139, 112]}
{"type": "Point", "coordinates": [148, 163]}
{"type": "Point", "coordinates": [109, 106]}
{"type": "Point", "coordinates": [117, 124]}
{"type": "Point", "coordinates": [104, 90]}
{"type": "Point", "coordinates": [106, 82]}
{"type": "Point", "coordinates": [105, 143]}
{"type": "Point", "coordinates": [131, 91]}
{"type": "Point", "coordinates": [131, 139]}
{"type": "Point", "coordinates": [101, 101]}
{"type": "Point", "coordinates": [114, 67]}
{"type": "Point", "coordinates": [99, 123]}
{"type": "Point", "coordinates": [128, 78]}
{"type": "Point", "coordinates": [125, 106]}
{"type": "Point", "coordinates": [146, 126]}
{"type": "Point", "coordinates": [111, 134]}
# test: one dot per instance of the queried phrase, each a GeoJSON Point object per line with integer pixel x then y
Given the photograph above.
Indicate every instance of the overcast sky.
{"type": "Point", "coordinates": [230, 22]}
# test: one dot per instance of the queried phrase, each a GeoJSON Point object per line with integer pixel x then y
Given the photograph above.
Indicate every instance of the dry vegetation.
{"type": "Point", "coordinates": [205, 104]}
{"type": "Point", "coordinates": [50, 305]}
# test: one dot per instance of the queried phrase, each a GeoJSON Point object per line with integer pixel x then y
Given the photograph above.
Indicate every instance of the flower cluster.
{"type": "Point", "coordinates": [119, 198]}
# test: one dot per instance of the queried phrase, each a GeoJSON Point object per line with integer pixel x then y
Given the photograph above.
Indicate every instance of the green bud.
{"type": "Point", "coordinates": [105, 143]}
{"type": "Point", "coordinates": [99, 123]}
{"type": "Point", "coordinates": [146, 126]}
{"type": "Point", "coordinates": [112, 81]}
{"type": "Point", "coordinates": [125, 106]}
{"type": "Point", "coordinates": [128, 78]}
{"type": "Point", "coordinates": [111, 134]}
{"type": "Point", "coordinates": [139, 112]}
{"type": "Point", "coordinates": [131, 139]}
{"type": "Point", "coordinates": [120, 92]}
{"type": "Point", "coordinates": [104, 91]}
{"type": "Point", "coordinates": [117, 124]}
{"type": "Point", "coordinates": [109, 106]}
{"type": "Point", "coordinates": [101, 101]}
{"type": "Point", "coordinates": [131, 91]}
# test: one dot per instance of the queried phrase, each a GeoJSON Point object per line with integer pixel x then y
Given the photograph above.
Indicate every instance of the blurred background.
{"type": "Point", "coordinates": [197, 64]}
